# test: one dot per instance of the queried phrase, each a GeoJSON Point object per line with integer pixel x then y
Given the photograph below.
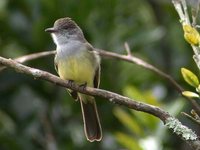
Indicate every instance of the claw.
{"type": "Point", "coordinates": [70, 82]}
{"type": "Point", "coordinates": [83, 86]}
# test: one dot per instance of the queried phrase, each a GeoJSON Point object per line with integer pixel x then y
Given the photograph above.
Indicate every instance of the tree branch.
{"type": "Point", "coordinates": [172, 123]}
{"type": "Point", "coordinates": [29, 57]}
{"type": "Point", "coordinates": [113, 97]}
{"type": "Point", "coordinates": [144, 64]}
{"type": "Point", "coordinates": [128, 58]}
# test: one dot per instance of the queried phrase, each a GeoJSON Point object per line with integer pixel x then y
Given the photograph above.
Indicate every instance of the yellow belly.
{"type": "Point", "coordinates": [78, 70]}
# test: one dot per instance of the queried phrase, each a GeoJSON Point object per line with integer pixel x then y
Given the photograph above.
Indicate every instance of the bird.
{"type": "Point", "coordinates": [77, 61]}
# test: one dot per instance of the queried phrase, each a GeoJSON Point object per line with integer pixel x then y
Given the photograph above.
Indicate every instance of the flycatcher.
{"type": "Point", "coordinates": [76, 61]}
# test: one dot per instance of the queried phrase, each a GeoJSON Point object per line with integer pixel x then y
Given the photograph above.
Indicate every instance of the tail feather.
{"type": "Point", "coordinates": [92, 126]}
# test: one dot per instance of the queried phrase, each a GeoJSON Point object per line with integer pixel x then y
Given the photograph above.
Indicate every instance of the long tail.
{"type": "Point", "coordinates": [92, 126]}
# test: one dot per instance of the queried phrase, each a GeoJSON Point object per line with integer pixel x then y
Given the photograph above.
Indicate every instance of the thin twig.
{"type": "Point", "coordinates": [195, 11]}
{"type": "Point", "coordinates": [178, 7]}
{"type": "Point", "coordinates": [127, 48]}
{"type": "Point", "coordinates": [142, 63]}
{"type": "Point", "coordinates": [191, 118]}
{"type": "Point", "coordinates": [187, 18]}
{"type": "Point", "coordinates": [29, 57]}
{"type": "Point", "coordinates": [194, 114]}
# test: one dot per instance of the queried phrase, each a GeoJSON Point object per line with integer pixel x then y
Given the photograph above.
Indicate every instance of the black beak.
{"type": "Point", "coordinates": [51, 30]}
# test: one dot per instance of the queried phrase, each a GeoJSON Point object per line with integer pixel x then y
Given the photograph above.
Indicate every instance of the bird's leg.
{"type": "Point", "coordinates": [71, 92]}
{"type": "Point", "coordinates": [70, 82]}
{"type": "Point", "coordinates": [83, 86]}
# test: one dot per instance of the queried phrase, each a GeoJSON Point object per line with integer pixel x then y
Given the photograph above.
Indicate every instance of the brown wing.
{"type": "Point", "coordinates": [97, 77]}
{"type": "Point", "coordinates": [97, 72]}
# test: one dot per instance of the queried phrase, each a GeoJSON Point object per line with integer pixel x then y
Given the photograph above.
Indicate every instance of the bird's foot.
{"type": "Point", "coordinates": [70, 82]}
{"type": "Point", "coordinates": [83, 86]}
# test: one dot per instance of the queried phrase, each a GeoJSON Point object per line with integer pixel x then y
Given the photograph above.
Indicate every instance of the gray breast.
{"type": "Point", "coordinates": [70, 49]}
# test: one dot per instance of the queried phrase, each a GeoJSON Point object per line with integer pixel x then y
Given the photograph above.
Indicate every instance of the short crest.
{"type": "Point", "coordinates": [65, 23]}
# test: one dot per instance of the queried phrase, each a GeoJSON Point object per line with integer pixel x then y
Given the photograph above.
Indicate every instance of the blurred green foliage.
{"type": "Point", "coordinates": [38, 115]}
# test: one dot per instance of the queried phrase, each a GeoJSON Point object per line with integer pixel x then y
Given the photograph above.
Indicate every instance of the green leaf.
{"type": "Point", "coordinates": [127, 141]}
{"type": "Point", "coordinates": [198, 89]}
{"type": "Point", "coordinates": [128, 120]}
{"type": "Point", "coordinates": [190, 94]}
{"type": "Point", "coordinates": [148, 122]}
{"type": "Point", "coordinates": [139, 95]}
{"type": "Point", "coordinates": [190, 77]}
